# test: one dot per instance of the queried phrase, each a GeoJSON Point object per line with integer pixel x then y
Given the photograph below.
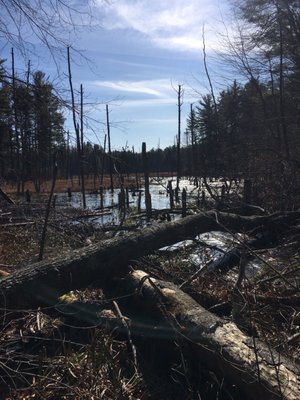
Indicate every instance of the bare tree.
{"type": "Point", "coordinates": [15, 119]}
{"type": "Point", "coordinates": [24, 24]}
{"type": "Point", "coordinates": [79, 138]}
{"type": "Point", "coordinates": [146, 177]}
{"type": "Point", "coordinates": [109, 151]}
{"type": "Point", "coordinates": [81, 155]}
{"type": "Point", "coordinates": [179, 106]}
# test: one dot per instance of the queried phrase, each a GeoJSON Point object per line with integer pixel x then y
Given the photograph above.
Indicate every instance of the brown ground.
{"type": "Point", "coordinates": [91, 184]}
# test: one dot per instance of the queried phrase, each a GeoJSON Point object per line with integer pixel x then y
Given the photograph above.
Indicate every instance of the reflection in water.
{"type": "Point", "coordinates": [214, 243]}
{"type": "Point", "coordinates": [160, 200]}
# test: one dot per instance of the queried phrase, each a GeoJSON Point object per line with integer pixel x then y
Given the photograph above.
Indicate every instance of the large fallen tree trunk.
{"type": "Point", "coordinates": [6, 197]}
{"type": "Point", "coordinates": [43, 282]}
{"type": "Point", "coordinates": [258, 371]}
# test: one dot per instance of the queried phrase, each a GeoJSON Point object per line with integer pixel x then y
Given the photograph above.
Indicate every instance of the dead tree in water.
{"type": "Point", "coordinates": [179, 105]}
{"type": "Point", "coordinates": [109, 151]}
{"type": "Point", "coordinates": [76, 127]}
{"type": "Point", "coordinates": [82, 149]}
{"type": "Point", "coordinates": [136, 169]}
{"type": "Point", "coordinates": [171, 194]}
{"type": "Point", "coordinates": [183, 203]}
{"type": "Point", "coordinates": [103, 160]}
{"type": "Point", "coordinates": [193, 143]}
{"type": "Point", "coordinates": [146, 175]}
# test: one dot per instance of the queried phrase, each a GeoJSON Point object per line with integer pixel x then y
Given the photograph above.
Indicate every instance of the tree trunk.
{"type": "Point", "coordinates": [146, 177]}
{"type": "Point", "coordinates": [6, 197]}
{"type": "Point", "coordinates": [81, 155]}
{"type": "Point", "coordinates": [43, 282]}
{"type": "Point", "coordinates": [178, 161]}
{"type": "Point", "coordinates": [109, 151]}
{"type": "Point", "coordinates": [258, 372]}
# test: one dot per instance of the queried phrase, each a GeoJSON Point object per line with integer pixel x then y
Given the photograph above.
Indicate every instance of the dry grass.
{"type": "Point", "coordinates": [98, 369]}
{"type": "Point", "coordinates": [19, 245]}
{"type": "Point", "coordinates": [91, 183]}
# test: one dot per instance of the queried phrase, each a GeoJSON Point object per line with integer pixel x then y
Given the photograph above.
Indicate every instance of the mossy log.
{"type": "Point", "coordinates": [257, 371]}
{"type": "Point", "coordinates": [42, 283]}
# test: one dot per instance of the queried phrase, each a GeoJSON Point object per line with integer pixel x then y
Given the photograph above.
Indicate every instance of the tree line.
{"type": "Point", "coordinates": [248, 130]}
{"type": "Point", "coordinates": [31, 124]}
{"type": "Point", "coordinates": [251, 129]}
{"type": "Point", "coordinates": [32, 130]}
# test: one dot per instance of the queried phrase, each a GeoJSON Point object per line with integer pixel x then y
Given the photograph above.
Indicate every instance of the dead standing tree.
{"type": "Point", "coordinates": [146, 175]}
{"type": "Point", "coordinates": [76, 127]}
{"type": "Point", "coordinates": [43, 238]}
{"type": "Point", "coordinates": [103, 161]}
{"type": "Point", "coordinates": [193, 143]}
{"type": "Point", "coordinates": [179, 105]}
{"type": "Point", "coordinates": [82, 148]}
{"type": "Point", "coordinates": [15, 113]}
{"type": "Point", "coordinates": [109, 151]}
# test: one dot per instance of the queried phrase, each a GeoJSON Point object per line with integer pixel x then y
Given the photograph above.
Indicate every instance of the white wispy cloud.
{"type": "Point", "coordinates": [155, 92]}
{"type": "Point", "coordinates": [168, 24]}
{"type": "Point", "coordinates": [132, 104]}
{"type": "Point", "coordinates": [159, 88]}
{"type": "Point", "coordinates": [156, 121]}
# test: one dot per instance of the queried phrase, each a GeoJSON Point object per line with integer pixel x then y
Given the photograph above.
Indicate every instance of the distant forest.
{"type": "Point", "coordinates": [250, 130]}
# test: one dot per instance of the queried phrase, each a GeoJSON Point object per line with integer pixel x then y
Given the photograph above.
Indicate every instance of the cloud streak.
{"type": "Point", "coordinates": [141, 93]}
{"type": "Point", "coordinates": [157, 88]}
{"type": "Point", "coordinates": [177, 25]}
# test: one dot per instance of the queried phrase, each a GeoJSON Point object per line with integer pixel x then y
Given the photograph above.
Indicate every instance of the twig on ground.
{"type": "Point", "coordinates": [126, 326]}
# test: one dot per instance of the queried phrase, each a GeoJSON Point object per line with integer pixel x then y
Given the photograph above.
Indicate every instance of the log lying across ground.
{"type": "Point", "coordinates": [6, 197]}
{"type": "Point", "coordinates": [257, 371]}
{"type": "Point", "coordinates": [42, 283]}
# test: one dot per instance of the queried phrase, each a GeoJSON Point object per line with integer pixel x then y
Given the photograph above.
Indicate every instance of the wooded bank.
{"type": "Point", "coordinates": [42, 283]}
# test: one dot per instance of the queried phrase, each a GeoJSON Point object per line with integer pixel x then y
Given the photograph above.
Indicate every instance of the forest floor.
{"type": "Point", "coordinates": [49, 356]}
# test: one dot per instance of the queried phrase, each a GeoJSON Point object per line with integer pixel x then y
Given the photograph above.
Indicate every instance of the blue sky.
{"type": "Point", "coordinates": [140, 53]}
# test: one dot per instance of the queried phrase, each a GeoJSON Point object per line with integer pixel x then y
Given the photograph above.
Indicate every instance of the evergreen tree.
{"type": "Point", "coordinates": [6, 139]}
{"type": "Point", "coordinates": [47, 125]}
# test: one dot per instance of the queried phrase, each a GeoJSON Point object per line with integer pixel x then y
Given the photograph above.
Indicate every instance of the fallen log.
{"type": "Point", "coordinates": [42, 283]}
{"type": "Point", "coordinates": [16, 224]}
{"type": "Point", "coordinates": [94, 215]}
{"type": "Point", "coordinates": [258, 372]}
{"type": "Point", "coordinates": [6, 197]}
{"type": "Point", "coordinates": [232, 257]}
{"type": "Point", "coordinates": [4, 219]}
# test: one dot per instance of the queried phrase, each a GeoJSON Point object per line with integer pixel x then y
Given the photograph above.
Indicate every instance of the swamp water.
{"type": "Point", "coordinates": [210, 245]}
{"type": "Point", "coordinates": [159, 198]}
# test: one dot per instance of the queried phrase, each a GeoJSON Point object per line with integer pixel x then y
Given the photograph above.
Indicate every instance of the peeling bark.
{"type": "Point", "coordinates": [217, 343]}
